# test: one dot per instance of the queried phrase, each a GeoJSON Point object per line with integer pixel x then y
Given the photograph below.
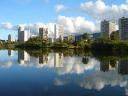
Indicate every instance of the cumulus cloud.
{"type": "Point", "coordinates": [7, 26]}
{"type": "Point", "coordinates": [77, 24]}
{"type": "Point", "coordinates": [100, 10]}
{"type": "Point", "coordinates": [60, 7]}
{"type": "Point", "coordinates": [71, 25]}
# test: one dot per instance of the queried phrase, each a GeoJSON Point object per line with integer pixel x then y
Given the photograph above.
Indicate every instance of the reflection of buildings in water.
{"type": "Point", "coordinates": [107, 65]}
{"type": "Point", "coordinates": [58, 60]}
{"type": "Point", "coordinates": [9, 52]}
{"type": "Point", "coordinates": [43, 59]}
{"type": "Point", "coordinates": [104, 66]}
{"type": "Point", "coordinates": [123, 66]}
{"type": "Point", "coordinates": [23, 57]}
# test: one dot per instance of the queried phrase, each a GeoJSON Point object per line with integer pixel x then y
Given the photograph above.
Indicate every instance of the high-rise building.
{"type": "Point", "coordinates": [9, 38]}
{"type": "Point", "coordinates": [107, 28]}
{"type": "Point", "coordinates": [58, 32]}
{"type": "Point", "coordinates": [43, 33]}
{"type": "Point", "coordinates": [23, 35]}
{"type": "Point", "coordinates": [123, 28]}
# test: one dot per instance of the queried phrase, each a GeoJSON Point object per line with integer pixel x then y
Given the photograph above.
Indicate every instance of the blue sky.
{"type": "Point", "coordinates": [32, 11]}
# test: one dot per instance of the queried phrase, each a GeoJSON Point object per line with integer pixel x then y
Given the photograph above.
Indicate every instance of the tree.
{"type": "Point", "coordinates": [86, 36]}
{"type": "Point", "coordinates": [114, 35]}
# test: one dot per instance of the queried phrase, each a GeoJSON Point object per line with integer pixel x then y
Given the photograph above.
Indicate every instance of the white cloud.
{"type": "Point", "coordinates": [100, 10]}
{"type": "Point", "coordinates": [71, 25]}
{"type": "Point", "coordinates": [7, 26]}
{"type": "Point", "coordinates": [77, 24]}
{"type": "Point", "coordinates": [60, 7]}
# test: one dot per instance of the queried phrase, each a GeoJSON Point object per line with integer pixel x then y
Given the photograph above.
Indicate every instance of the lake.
{"type": "Point", "coordinates": [58, 73]}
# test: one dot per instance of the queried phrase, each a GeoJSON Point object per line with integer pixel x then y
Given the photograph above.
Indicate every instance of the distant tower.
{"type": "Point", "coordinates": [9, 38]}
{"type": "Point", "coordinates": [58, 32]}
{"type": "Point", "coordinates": [107, 28]}
{"type": "Point", "coordinates": [123, 28]}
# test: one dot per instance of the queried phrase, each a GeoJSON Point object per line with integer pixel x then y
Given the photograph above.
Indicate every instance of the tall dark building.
{"type": "Point", "coordinates": [123, 28]}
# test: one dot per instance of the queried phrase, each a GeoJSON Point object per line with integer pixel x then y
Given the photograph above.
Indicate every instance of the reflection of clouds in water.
{"type": "Point", "coordinates": [99, 80]}
{"type": "Point", "coordinates": [75, 65]}
{"type": "Point", "coordinates": [70, 65]}
{"type": "Point", "coordinates": [7, 61]}
{"type": "Point", "coordinates": [6, 64]}
{"type": "Point", "coordinates": [59, 82]}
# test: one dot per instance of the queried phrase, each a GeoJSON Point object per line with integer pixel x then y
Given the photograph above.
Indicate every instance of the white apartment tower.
{"type": "Point", "coordinates": [58, 32]}
{"type": "Point", "coordinates": [23, 35]}
{"type": "Point", "coordinates": [123, 28]}
{"type": "Point", "coordinates": [107, 28]}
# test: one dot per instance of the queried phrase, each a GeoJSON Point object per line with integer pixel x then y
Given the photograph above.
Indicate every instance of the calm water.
{"type": "Point", "coordinates": [61, 74]}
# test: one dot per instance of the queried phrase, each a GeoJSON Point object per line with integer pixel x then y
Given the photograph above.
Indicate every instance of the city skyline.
{"type": "Point", "coordinates": [76, 16]}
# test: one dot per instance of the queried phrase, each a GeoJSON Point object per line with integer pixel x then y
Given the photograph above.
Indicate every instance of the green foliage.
{"type": "Point", "coordinates": [114, 35]}
{"type": "Point", "coordinates": [86, 36]}
{"type": "Point", "coordinates": [106, 46]}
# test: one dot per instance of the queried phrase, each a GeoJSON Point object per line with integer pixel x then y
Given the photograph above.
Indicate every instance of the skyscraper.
{"type": "Point", "coordinates": [23, 35]}
{"type": "Point", "coordinates": [107, 28]}
{"type": "Point", "coordinates": [43, 33]}
{"type": "Point", "coordinates": [123, 28]}
{"type": "Point", "coordinates": [9, 38]}
{"type": "Point", "coordinates": [58, 32]}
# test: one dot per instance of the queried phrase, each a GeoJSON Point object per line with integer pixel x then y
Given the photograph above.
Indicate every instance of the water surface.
{"type": "Point", "coordinates": [61, 74]}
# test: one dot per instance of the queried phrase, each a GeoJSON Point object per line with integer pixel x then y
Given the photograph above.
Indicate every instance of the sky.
{"type": "Point", "coordinates": [77, 16]}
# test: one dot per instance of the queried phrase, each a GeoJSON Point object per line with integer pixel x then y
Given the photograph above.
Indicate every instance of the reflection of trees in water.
{"type": "Point", "coordinates": [85, 60]}
{"type": "Point", "coordinates": [106, 62]}
{"type": "Point", "coordinates": [114, 62]}
{"type": "Point", "coordinates": [37, 53]}
{"type": "Point", "coordinates": [66, 52]}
